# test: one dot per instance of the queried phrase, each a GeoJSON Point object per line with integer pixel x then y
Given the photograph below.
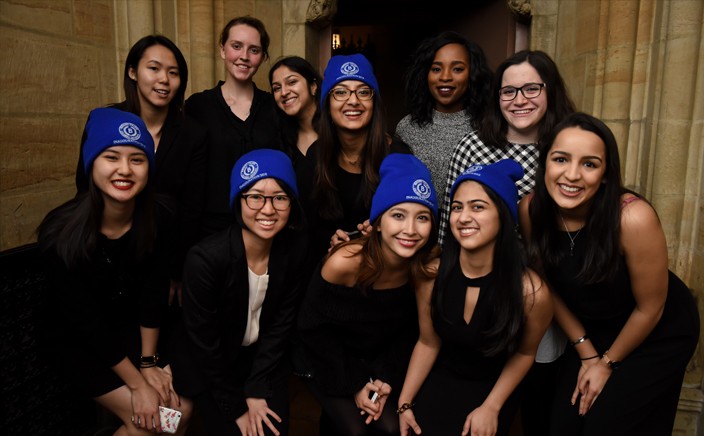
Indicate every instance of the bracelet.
{"type": "Point", "coordinates": [589, 358]}
{"type": "Point", "coordinates": [579, 341]}
{"type": "Point", "coordinates": [404, 407]}
{"type": "Point", "coordinates": [613, 364]}
{"type": "Point", "coordinates": [148, 361]}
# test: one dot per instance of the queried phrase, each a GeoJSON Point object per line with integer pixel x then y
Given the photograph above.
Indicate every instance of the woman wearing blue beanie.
{"type": "Point", "coordinates": [341, 170]}
{"type": "Point", "coordinates": [241, 287]}
{"type": "Point", "coordinates": [358, 323]}
{"type": "Point", "coordinates": [480, 320]}
{"type": "Point", "coordinates": [109, 281]}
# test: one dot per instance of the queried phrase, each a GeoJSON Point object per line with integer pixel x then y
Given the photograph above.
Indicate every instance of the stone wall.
{"type": "Point", "coordinates": [61, 58]}
{"type": "Point", "coordinates": [639, 65]}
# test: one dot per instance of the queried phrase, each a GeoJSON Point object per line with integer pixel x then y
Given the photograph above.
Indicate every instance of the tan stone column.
{"type": "Point", "coordinates": [639, 65]}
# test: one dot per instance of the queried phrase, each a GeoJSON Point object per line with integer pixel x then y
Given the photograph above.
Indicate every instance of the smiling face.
{"type": "Point", "coordinates": [292, 92]}
{"type": "Point", "coordinates": [405, 228]}
{"type": "Point", "coordinates": [448, 78]}
{"type": "Point", "coordinates": [575, 169]}
{"type": "Point", "coordinates": [266, 221]}
{"type": "Point", "coordinates": [242, 52]}
{"type": "Point", "coordinates": [474, 219]}
{"type": "Point", "coordinates": [353, 113]}
{"type": "Point", "coordinates": [523, 115]}
{"type": "Point", "coordinates": [120, 173]}
{"type": "Point", "coordinates": [157, 77]}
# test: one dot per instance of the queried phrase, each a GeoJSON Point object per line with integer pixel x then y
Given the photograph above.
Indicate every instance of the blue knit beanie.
{"type": "Point", "coordinates": [108, 127]}
{"type": "Point", "coordinates": [261, 164]}
{"type": "Point", "coordinates": [500, 177]}
{"type": "Point", "coordinates": [403, 178]}
{"type": "Point", "coordinates": [352, 67]}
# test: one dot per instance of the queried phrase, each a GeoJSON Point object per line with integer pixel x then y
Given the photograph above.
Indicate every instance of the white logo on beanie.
{"type": "Point", "coordinates": [473, 169]}
{"type": "Point", "coordinates": [249, 170]}
{"type": "Point", "coordinates": [129, 131]}
{"type": "Point", "coordinates": [421, 189]}
{"type": "Point", "coordinates": [349, 68]}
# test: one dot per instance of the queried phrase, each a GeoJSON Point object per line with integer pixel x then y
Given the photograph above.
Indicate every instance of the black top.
{"type": "Point", "coordinates": [215, 309]}
{"type": "Point", "coordinates": [178, 181]}
{"type": "Point", "coordinates": [350, 193]}
{"type": "Point", "coordinates": [349, 335]}
{"type": "Point", "coordinates": [96, 309]}
{"type": "Point", "coordinates": [461, 342]}
{"type": "Point", "coordinates": [230, 138]}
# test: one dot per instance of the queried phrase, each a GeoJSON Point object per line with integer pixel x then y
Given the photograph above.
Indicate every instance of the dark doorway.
{"type": "Point", "coordinates": [388, 31]}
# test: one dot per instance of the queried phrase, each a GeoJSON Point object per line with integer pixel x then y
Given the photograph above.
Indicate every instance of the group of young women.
{"type": "Point", "coordinates": [294, 233]}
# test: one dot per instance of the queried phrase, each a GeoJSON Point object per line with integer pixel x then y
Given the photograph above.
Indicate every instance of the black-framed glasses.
{"type": "Point", "coordinates": [343, 94]}
{"type": "Point", "coordinates": [257, 201]}
{"type": "Point", "coordinates": [529, 90]}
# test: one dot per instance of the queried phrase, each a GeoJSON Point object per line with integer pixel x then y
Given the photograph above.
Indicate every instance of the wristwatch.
{"type": "Point", "coordinates": [613, 364]}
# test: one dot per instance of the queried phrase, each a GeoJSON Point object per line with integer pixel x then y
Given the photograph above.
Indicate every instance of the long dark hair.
{"type": "Point", "coordinates": [325, 192]}
{"type": "Point", "coordinates": [251, 22]}
{"type": "Point", "coordinates": [603, 225]}
{"type": "Point", "coordinates": [494, 127]}
{"type": "Point", "coordinates": [310, 74]}
{"type": "Point", "coordinates": [373, 259]}
{"type": "Point", "coordinates": [71, 230]}
{"type": "Point", "coordinates": [505, 298]}
{"type": "Point", "coordinates": [131, 103]}
{"type": "Point", "coordinates": [419, 100]}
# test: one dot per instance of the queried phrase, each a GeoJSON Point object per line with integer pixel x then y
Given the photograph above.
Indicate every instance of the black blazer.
{"type": "Point", "coordinates": [215, 309]}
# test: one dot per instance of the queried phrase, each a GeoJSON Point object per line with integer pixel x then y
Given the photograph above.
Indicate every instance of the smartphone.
{"type": "Point", "coordinates": [169, 419]}
{"type": "Point", "coordinates": [354, 234]}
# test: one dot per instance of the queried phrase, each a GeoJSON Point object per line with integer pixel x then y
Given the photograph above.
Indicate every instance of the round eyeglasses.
{"type": "Point", "coordinates": [343, 94]}
{"type": "Point", "coordinates": [257, 201]}
{"type": "Point", "coordinates": [529, 90]}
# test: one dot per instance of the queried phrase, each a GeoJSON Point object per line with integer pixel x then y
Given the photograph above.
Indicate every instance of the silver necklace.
{"type": "Point", "coordinates": [569, 235]}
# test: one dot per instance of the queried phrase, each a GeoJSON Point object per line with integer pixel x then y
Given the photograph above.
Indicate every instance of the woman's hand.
{"type": "Point", "coordinates": [407, 420]}
{"type": "Point", "coordinates": [161, 381]}
{"type": "Point", "coordinates": [482, 421]}
{"type": "Point", "coordinates": [243, 424]}
{"type": "Point", "coordinates": [590, 382]}
{"type": "Point", "coordinates": [145, 407]}
{"type": "Point", "coordinates": [259, 412]}
{"type": "Point", "coordinates": [363, 399]}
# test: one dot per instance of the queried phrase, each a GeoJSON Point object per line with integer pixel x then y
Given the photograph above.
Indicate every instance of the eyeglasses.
{"type": "Point", "coordinates": [343, 94]}
{"type": "Point", "coordinates": [257, 201]}
{"type": "Point", "coordinates": [529, 90]}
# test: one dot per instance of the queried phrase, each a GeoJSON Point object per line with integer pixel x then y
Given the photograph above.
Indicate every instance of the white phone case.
{"type": "Point", "coordinates": [169, 419]}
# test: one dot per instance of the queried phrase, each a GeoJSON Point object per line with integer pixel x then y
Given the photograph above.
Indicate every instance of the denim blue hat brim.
{"type": "Point", "coordinates": [352, 67]}
{"type": "Point", "coordinates": [109, 127]}
{"type": "Point", "coordinates": [500, 177]}
{"type": "Point", "coordinates": [403, 178]}
{"type": "Point", "coordinates": [261, 164]}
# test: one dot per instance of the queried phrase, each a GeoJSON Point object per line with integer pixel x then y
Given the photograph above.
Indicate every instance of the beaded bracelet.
{"type": "Point", "coordinates": [404, 407]}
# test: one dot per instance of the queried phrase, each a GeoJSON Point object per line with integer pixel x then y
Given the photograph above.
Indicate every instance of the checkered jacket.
{"type": "Point", "coordinates": [472, 151]}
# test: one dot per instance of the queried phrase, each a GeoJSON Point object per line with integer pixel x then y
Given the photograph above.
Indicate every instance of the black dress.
{"type": "Point", "coordinates": [640, 397]}
{"type": "Point", "coordinates": [97, 310]}
{"type": "Point", "coordinates": [349, 336]}
{"type": "Point", "coordinates": [462, 376]}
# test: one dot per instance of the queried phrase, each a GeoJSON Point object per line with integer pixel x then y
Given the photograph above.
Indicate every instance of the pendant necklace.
{"type": "Point", "coordinates": [347, 158]}
{"type": "Point", "coordinates": [570, 235]}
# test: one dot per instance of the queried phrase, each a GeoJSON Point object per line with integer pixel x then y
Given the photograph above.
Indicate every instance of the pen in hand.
{"type": "Point", "coordinates": [376, 394]}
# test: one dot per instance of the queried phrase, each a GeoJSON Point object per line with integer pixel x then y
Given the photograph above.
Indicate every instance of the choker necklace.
{"type": "Point", "coordinates": [347, 158]}
{"type": "Point", "coordinates": [569, 235]}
